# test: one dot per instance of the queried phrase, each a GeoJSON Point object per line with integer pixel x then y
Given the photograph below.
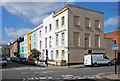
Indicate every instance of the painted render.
{"type": "Point", "coordinates": [40, 37]}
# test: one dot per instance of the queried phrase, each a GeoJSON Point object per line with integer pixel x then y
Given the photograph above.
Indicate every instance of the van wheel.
{"type": "Point", "coordinates": [109, 63]}
{"type": "Point", "coordinates": [95, 64]}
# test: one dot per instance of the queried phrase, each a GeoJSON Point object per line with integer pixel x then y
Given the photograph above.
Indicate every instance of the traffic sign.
{"type": "Point", "coordinates": [115, 48]}
{"type": "Point", "coordinates": [115, 43]}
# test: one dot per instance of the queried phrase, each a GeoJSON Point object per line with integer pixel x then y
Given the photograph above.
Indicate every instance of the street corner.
{"type": "Point", "coordinates": [107, 76]}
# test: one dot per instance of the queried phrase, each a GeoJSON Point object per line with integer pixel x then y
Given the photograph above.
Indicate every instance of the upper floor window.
{"type": "Point", "coordinates": [50, 27]}
{"type": "Point", "coordinates": [46, 29]}
{"type": "Point", "coordinates": [97, 24]}
{"type": "Point", "coordinates": [45, 42]}
{"type": "Point", "coordinates": [30, 46]}
{"type": "Point", "coordinates": [56, 39]}
{"type": "Point", "coordinates": [57, 23]}
{"type": "Point", "coordinates": [87, 40]}
{"type": "Point", "coordinates": [30, 38]}
{"type": "Point", "coordinates": [76, 39]}
{"type": "Point", "coordinates": [63, 38]}
{"type": "Point", "coordinates": [50, 41]}
{"type": "Point", "coordinates": [34, 36]}
{"type": "Point", "coordinates": [63, 20]}
{"type": "Point", "coordinates": [34, 44]}
{"type": "Point", "coordinates": [40, 33]}
{"type": "Point", "coordinates": [76, 21]}
{"type": "Point", "coordinates": [40, 45]}
{"type": "Point", "coordinates": [97, 40]}
{"type": "Point", "coordinates": [87, 22]}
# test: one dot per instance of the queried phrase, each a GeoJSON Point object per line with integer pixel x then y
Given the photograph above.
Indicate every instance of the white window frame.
{"type": "Point", "coordinates": [57, 37]}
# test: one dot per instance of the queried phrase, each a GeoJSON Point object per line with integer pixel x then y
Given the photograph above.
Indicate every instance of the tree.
{"type": "Point", "coordinates": [35, 53]}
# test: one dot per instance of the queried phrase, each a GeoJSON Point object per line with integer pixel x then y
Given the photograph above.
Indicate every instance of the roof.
{"type": "Point", "coordinates": [67, 6]}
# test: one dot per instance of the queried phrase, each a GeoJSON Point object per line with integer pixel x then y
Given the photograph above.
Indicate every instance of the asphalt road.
{"type": "Point", "coordinates": [23, 72]}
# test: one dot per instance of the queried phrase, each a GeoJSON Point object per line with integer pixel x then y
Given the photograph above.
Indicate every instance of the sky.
{"type": "Point", "coordinates": [18, 18]}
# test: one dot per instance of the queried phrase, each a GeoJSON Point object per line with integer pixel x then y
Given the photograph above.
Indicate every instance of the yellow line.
{"type": "Point", "coordinates": [102, 74]}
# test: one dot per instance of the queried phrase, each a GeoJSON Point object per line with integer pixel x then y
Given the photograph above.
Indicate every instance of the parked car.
{"type": "Point", "coordinates": [96, 59]}
{"type": "Point", "coordinates": [8, 58]}
{"type": "Point", "coordinates": [3, 61]}
{"type": "Point", "coordinates": [13, 59]}
{"type": "Point", "coordinates": [30, 61]}
{"type": "Point", "coordinates": [22, 60]}
{"type": "Point", "coordinates": [115, 60]}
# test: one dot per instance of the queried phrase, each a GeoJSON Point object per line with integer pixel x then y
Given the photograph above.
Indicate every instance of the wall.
{"type": "Point", "coordinates": [29, 42]}
{"type": "Point", "coordinates": [77, 52]}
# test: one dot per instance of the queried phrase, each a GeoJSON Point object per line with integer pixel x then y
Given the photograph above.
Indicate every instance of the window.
{"type": "Point", "coordinates": [63, 54]}
{"type": "Point", "coordinates": [50, 41]}
{"type": "Point", "coordinates": [30, 38]}
{"type": "Point", "coordinates": [63, 20]}
{"type": "Point", "coordinates": [87, 22]}
{"type": "Point", "coordinates": [76, 39]}
{"type": "Point", "coordinates": [63, 38]}
{"type": "Point", "coordinates": [34, 36]}
{"type": "Point", "coordinates": [97, 24]}
{"type": "Point", "coordinates": [46, 29]}
{"type": "Point", "coordinates": [57, 54]}
{"type": "Point", "coordinates": [45, 42]}
{"type": "Point", "coordinates": [97, 40]}
{"type": "Point", "coordinates": [87, 40]}
{"type": "Point", "coordinates": [51, 54]}
{"type": "Point", "coordinates": [30, 46]}
{"type": "Point", "coordinates": [40, 33]}
{"type": "Point", "coordinates": [50, 27]}
{"type": "Point", "coordinates": [40, 45]}
{"type": "Point", "coordinates": [34, 45]}
{"type": "Point", "coordinates": [56, 39]}
{"type": "Point", "coordinates": [57, 23]}
{"type": "Point", "coordinates": [76, 21]}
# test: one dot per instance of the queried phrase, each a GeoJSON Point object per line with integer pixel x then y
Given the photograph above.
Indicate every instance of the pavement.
{"type": "Point", "coordinates": [63, 67]}
{"type": "Point", "coordinates": [109, 76]}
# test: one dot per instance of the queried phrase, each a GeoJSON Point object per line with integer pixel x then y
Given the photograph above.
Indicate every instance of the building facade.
{"type": "Point", "coordinates": [34, 38]}
{"type": "Point", "coordinates": [40, 42]}
{"type": "Point", "coordinates": [29, 43]}
{"type": "Point", "coordinates": [26, 46]}
{"type": "Point", "coordinates": [75, 29]}
{"type": "Point", "coordinates": [22, 49]}
{"type": "Point", "coordinates": [15, 47]}
{"type": "Point", "coordinates": [115, 36]}
{"type": "Point", "coordinates": [48, 36]}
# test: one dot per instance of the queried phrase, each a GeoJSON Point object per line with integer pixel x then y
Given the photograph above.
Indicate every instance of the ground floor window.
{"type": "Point", "coordinates": [51, 54]}
{"type": "Point", "coordinates": [63, 54]}
{"type": "Point", "coordinates": [57, 54]}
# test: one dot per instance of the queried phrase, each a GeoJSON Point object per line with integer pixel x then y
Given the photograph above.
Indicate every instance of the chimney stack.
{"type": "Point", "coordinates": [117, 29]}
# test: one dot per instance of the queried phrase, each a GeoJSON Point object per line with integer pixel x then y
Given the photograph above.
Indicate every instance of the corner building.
{"type": "Point", "coordinates": [79, 29]}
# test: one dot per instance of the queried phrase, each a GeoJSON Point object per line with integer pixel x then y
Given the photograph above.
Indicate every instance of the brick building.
{"type": "Point", "coordinates": [115, 36]}
{"type": "Point", "coordinates": [15, 46]}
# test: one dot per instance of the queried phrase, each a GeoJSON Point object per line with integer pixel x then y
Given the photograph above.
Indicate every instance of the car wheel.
{"type": "Point", "coordinates": [109, 63]}
{"type": "Point", "coordinates": [95, 64]}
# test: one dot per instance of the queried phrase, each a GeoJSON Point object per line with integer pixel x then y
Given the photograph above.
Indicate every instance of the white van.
{"type": "Point", "coordinates": [96, 59]}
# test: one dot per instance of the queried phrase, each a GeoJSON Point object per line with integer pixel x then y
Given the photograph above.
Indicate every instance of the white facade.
{"type": "Point", "coordinates": [48, 36]}
{"type": "Point", "coordinates": [26, 46]}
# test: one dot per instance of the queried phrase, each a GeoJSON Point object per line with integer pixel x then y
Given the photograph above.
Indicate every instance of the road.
{"type": "Point", "coordinates": [28, 73]}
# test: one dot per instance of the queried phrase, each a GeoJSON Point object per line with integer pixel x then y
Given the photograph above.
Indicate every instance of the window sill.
{"type": "Point", "coordinates": [97, 28]}
{"type": "Point", "coordinates": [77, 25]}
{"type": "Point", "coordinates": [88, 27]}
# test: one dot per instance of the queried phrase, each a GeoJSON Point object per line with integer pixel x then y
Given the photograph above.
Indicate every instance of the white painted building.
{"type": "Point", "coordinates": [48, 35]}
{"type": "Point", "coordinates": [26, 46]}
